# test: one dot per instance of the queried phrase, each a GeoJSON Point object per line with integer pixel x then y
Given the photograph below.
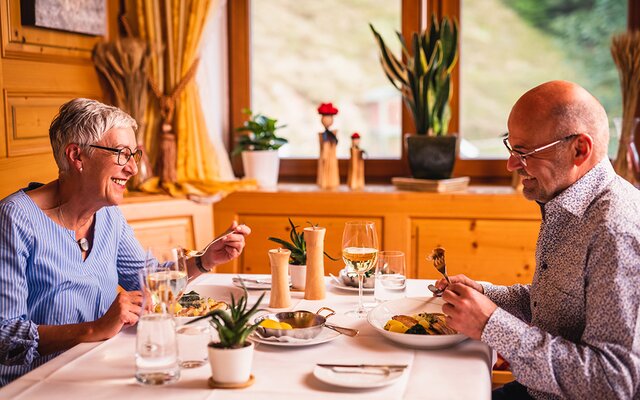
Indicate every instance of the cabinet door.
{"type": "Point", "coordinates": [255, 259]}
{"type": "Point", "coordinates": [498, 251]}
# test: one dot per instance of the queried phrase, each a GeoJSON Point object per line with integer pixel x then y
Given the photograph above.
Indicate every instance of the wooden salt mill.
{"type": "Point", "coordinates": [280, 295]}
{"type": "Point", "coordinates": [314, 286]}
{"type": "Point", "coordinates": [355, 175]}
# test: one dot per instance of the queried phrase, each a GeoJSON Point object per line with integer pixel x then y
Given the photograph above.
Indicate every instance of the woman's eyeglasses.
{"type": "Point", "coordinates": [124, 154]}
{"type": "Point", "coordinates": [522, 157]}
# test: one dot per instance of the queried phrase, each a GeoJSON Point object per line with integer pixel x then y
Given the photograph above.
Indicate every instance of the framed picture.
{"type": "Point", "coordinates": [88, 17]}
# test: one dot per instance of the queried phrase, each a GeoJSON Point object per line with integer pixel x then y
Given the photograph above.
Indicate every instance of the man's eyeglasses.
{"type": "Point", "coordinates": [124, 154]}
{"type": "Point", "coordinates": [522, 157]}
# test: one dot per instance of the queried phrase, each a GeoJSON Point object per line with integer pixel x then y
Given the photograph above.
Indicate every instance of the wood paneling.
{"type": "Point", "coordinates": [28, 120]}
{"type": "Point", "coordinates": [498, 251]}
{"type": "Point", "coordinates": [32, 43]}
{"type": "Point", "coordinates": [490, 232]}
{"type": "Point", "coordinates": [256, 261]}
{"type": "Point", "coordinates": [161, 222]}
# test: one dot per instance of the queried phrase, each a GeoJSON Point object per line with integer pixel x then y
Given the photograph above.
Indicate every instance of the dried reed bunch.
{"type": "Point", "coordinates": [625, 50]}
{"type": "Point", "coordinates": [124, 65]}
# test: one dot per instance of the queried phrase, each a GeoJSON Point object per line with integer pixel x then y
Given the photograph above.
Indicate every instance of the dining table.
{"type": "Point", "coordinates": [105, 370]}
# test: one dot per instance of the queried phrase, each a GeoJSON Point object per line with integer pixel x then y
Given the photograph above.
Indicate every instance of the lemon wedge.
{"type": "Point", "coordinates": [270, 324]}
{"type": "Point", "coordinates": [395, 326]}
{"type": "Point", "coordinates": [284, 325]}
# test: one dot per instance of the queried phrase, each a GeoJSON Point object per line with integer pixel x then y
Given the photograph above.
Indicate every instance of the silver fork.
{"type": "Point", "coordinates": [194, 253]}
{"type": "Point", "coordinates": [437, 256]}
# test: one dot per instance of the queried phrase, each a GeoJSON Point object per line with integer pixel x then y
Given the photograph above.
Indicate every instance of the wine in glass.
{"type": "Point", "coordinates": [167, 280]}
{"type": "Point", "coordinates": [359, 252]}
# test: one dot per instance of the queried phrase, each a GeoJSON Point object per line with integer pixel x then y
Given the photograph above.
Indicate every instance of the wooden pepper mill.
{"type": "Point", "coordinates": [314, 286]}
{"type": "Point", "coordinates": [280, 294]}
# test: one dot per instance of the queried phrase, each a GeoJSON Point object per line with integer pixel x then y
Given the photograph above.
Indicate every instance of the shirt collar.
{"type": "Point", "coordinates": [577, 197]}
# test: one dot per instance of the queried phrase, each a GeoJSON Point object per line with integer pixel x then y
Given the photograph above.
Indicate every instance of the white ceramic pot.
{"type": "Point", "coordinates": [231, 365]}
{"type": "Point", "coordinates": [298, 275]}
{"type": "Point", "coordinates": [263, 166]}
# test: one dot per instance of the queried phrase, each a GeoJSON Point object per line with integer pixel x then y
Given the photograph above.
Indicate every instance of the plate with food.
{"type": "Point", "coordinates": [349, 281]}
{"type": "Point", "coordinates": [414, 322]}
{"type": "Point", "coordinates": [198, 300]}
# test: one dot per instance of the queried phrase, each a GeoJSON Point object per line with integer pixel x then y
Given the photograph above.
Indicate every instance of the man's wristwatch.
{"type": "Point", "coordinates": [199, 265]}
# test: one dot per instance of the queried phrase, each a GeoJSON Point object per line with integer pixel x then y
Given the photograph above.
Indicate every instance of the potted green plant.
{"type": "Point", "coordinates": [298, 258]}
{"type": "Point", "coordinates": [424, 80]}
{"type": "Point", "coordinates": [231, 357]}
{"type": "Point", "coordinates": [259, 148]}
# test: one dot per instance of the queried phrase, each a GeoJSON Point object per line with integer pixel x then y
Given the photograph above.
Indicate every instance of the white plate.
{"type": "Point", "coordinates": [379, 316]}
{"type": "Point", "coordinates": [342, 286]}
{"type": "Point", "coordinates": [326, 335]}
{"type": "Point", "coordinates": [356, 379]}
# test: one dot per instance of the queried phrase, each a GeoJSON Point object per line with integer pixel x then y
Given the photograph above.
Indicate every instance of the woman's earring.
{"type": "Point", "coordinates": [80, 169]}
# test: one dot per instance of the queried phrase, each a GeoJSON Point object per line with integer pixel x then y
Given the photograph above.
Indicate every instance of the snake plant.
{"type": "Point", "coordinates": [234, 325]}
{"type": "Point", "coordinates": [425, 78]}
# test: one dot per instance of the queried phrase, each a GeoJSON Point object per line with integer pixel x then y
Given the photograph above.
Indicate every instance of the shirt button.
{"type": "Point", "coordinates": [543, 266]}
{"type": "Point", "coordinates": [535, 304]}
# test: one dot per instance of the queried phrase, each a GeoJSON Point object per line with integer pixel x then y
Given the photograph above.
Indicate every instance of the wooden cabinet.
{"type": "Point", "coordinates": [255, 259]}
{"type": "Point", "coordinates": [498, 251]}
{"type": "Point", "coordinates": [161, 222]}
{"type": "Point", "coordinates": [489, 233]}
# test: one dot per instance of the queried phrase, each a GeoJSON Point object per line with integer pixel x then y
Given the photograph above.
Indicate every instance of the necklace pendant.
{"type": "Point", "coordinates": [84, 244]}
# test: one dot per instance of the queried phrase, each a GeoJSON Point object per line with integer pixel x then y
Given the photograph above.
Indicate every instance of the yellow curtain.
{"type": "Point", "coordinates": [174, 29]}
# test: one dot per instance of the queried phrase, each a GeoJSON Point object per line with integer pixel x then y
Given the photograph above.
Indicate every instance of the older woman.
{"type": "Point", "coordinates": [64, 249]}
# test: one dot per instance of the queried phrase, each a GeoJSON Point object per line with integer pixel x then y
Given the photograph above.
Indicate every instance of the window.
{"type": "Point", "coordinates": [508, 47]}
{"type": "Point", "coordinates": [307, 52]}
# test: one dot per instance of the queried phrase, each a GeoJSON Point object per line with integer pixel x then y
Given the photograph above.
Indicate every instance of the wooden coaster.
{"type": "Point", "coordinates": [218, 385]}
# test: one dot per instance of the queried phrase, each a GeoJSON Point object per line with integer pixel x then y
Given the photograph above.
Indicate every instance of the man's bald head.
{"type": "Point", "coordinates": [560, 108]}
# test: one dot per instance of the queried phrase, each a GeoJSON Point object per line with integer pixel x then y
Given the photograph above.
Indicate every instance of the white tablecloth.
{"type": "Point", "coordinates": [105, 370]}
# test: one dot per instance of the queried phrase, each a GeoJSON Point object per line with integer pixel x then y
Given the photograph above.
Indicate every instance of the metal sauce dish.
{"type": "Point", "coordinates": [305, 324]}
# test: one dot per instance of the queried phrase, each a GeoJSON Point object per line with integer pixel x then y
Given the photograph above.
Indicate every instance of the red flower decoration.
{"type": "Point", "coordinates": [355, 135]}
{"type": "Point", "coordinates": [327, 109]}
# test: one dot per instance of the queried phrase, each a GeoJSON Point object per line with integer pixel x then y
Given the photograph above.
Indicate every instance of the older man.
{"type": "Point", "coordinates": [575, 331]}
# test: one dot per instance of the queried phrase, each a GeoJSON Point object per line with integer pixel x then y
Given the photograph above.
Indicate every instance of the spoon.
{"type": "Point", "coordinates": [436, 292]}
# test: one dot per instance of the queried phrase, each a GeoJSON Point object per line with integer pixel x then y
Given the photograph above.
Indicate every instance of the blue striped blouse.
{"type": "Point", "coordinates": [44, 280]}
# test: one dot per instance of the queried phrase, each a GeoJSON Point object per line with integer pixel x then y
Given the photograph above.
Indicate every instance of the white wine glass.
{"type": "Point", "coordinates": [167, 280]}
{"type": "Point", "coordinates": [360, 253]}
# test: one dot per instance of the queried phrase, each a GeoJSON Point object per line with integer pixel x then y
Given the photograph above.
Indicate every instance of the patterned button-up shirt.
{"type": "Point", "coordinates": [575, 331]}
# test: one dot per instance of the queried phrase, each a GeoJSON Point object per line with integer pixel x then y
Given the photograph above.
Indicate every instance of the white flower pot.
{"type": "Point", "coordinates": [231, 365]}
{"type": "Point", "coordinates": [298, 275]}
{"type": "Point", "coordinates": [263, 166]}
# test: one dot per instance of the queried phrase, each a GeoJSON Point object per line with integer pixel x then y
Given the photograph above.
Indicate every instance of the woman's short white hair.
{"type": "Point", "coordinates": [84, 121]}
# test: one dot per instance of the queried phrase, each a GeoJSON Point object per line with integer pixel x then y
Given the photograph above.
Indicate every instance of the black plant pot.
{"type": "Point", "coordinates": [431, 157]}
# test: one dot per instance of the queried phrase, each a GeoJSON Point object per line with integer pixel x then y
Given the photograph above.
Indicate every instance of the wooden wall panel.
{"type": "Point", "coordinates": [161, 235]}
{"type": "Point", "coordinates": [490, 232]}
{"type": "Point", "coordinates": [499, 251]}
{"type": "Point", "coordinates": [40, 69]}
{"type": "Point", "coordinates": [28, 120]}
{"type": "Point", "coordinates": [256, 261]}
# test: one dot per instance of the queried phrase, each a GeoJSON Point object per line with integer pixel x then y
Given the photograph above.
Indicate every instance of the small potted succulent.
{"type": "Point", "coordinates": [259, 149]}
{"type": "Point", "coordinates": [424, 80]}
{"type": "Point", "coordinates": [298, 257]}
{"type": "Point", "coordinates": [232, 356]}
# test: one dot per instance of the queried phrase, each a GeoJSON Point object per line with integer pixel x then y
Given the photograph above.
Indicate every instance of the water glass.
{"type": "Point", "coordinates": [156, 350]}
{"type": "Point", "coordinates": [193, 342]}
{"type": "Point", "coordinates": [390, 276]}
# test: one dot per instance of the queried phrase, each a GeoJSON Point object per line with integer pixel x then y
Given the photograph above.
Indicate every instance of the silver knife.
{"type": "Point", "coordinates": [390, 366]}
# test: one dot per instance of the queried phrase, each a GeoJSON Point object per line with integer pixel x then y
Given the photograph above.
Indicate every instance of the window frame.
{"type": "Point", "coordinates": [413, 16]}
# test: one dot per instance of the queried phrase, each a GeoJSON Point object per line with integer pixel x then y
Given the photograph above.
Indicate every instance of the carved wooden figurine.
{"type": "Point", "coordinates": [328, 174]}
{"type": "Point", "coordinates": [355, 176]}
